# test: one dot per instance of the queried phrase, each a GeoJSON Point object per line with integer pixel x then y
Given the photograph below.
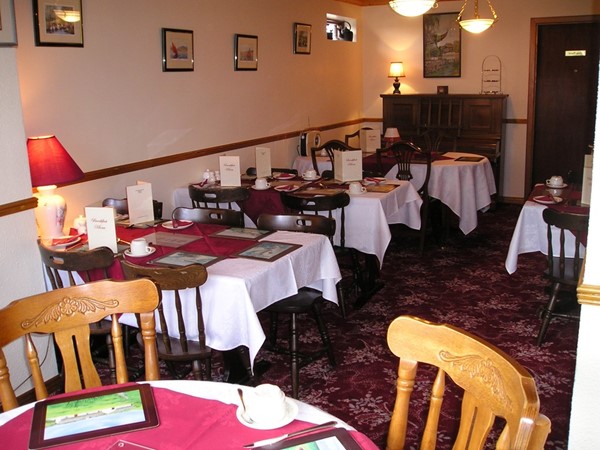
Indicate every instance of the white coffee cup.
{"type": "Point", "coordinates": [555, 180]}
{"type": "Point", "coordinates": [139, 247]}
{"type": "Point", "coordinates": [265, 403]}
{"type": "Point", "coordinates": [261, 183]}
{"type": "Point", "coordinates": [357, 188]}
{"type": "Point", "coordinates": [310, 174]}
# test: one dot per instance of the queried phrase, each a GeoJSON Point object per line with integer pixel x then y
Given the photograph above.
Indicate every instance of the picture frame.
{"type": "Point", "coordinates": [441, 45]}
{"type": "Point", "coordinates": [245, 52]}
{"type": "Point", "coordinates": [52, 30]}
{"type": "Point", "coordinates": [442, 90]}
{"type": "Point", "coordinates": [73, 418]}
{"type": "Point", "coordinates": [302, 38]}
{"type": "Point", "coordinates": [8, 26]}
{"type": "Point", "coordinates": [177, 50]}
{"type": "Point", "coordinates": [242, 233]}
{"type": "Point", "coordinates": [182, 258]}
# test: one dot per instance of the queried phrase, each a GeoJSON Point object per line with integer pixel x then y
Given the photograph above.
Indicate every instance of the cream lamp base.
{"type": "Point", "coordinates": [50, 213]}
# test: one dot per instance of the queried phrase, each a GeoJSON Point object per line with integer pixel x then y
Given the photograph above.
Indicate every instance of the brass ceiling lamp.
{"type": "Point", "coordinates": [477, 24]}
{"type": "Point", "coordinates": [412, 8]}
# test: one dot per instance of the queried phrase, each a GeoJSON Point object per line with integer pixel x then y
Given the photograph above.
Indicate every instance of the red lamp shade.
{"type": "Point", "coordinates": [50, 163]}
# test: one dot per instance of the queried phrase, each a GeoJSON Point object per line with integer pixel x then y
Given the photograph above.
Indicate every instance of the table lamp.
{"type": "Point", "coordinates": [50, 164]}
{"type": "Point", "coordinates": [391, 135]}
{"type": "Point", "coordinates": [396, 71]}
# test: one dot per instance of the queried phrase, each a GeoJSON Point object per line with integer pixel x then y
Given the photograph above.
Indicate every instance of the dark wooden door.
{"type": "Point", "coordinates": [565, 98]}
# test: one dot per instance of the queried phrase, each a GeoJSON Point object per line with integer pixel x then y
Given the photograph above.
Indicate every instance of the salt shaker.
{"type": "Point", "coordinates": [80, 224]}
{"type": "Point", "coordinates": [211, 177]}
{"type": "Point", "coordinates": [206, 175]}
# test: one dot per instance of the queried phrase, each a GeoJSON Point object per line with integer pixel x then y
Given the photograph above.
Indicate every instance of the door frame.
{"type": "Point", "coordinates": [535, 24]}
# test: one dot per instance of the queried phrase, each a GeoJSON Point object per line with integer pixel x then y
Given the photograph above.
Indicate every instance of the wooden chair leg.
{"type": "Point", "coordinates": [295, 368]}
{"type": "Point", "coordinates": [324, 334]}
{"type": "Point", "coordinates": [341, 299]}
{"type": "Point", "coordinates": [547, 313]}
{"type": "Point", "coordinates": [111, 359]}
{"type": "Point", "coordinates": [273, 328]}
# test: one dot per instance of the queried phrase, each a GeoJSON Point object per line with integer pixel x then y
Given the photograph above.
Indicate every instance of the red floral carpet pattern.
{"type": "Point", "coordinates": [464, 284]}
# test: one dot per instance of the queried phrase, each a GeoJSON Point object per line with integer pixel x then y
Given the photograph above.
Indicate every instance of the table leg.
{"type": "Point", "coordinates": [370, 283]}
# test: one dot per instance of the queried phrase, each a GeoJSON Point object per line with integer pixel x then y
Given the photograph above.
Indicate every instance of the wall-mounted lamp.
{"type": "Point", "coordinates": [68, 15]}
{"type": "Point", "coordinates": [396, 71]}
{"type": "Point", "coordinates": [50, 164]}
{"type": "Point", "coordinates": [412, 8]}
{"type": "Point", "coordinates": [477, 24]}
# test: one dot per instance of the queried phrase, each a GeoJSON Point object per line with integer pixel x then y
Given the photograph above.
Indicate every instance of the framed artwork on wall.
{"type": "Point", "coordinates": [177, 50]}
{"type": "Point", "coordinates": [441, 45]}
{"type": "Point", "coordinates": [58, 23]}
{"type": "Point", "coordinates": [8, 28]}
{"type": "Point", "coordinates": [245, 52]}
{"type": "Point", "coordinates": [302, 38]}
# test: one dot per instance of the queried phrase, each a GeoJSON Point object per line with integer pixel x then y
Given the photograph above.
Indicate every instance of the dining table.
{"type": "Point", "coordinates": [531, 232]}
{"type": "Point", "coordinates": [464, 182]}
{"type": "Point", "coordinates": [237, 287]}
{"type": "Point", "coordinates": [191, 415]}
{"type": "Point", "coordinates": [367, 217]}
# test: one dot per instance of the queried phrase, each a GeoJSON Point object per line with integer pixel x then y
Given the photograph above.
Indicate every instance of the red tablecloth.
{"type": "Point", "coordinates": [186, 422]}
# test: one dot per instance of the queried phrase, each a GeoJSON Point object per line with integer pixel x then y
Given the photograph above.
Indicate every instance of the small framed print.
{"type": "Point", "coordinates": [246, 52]}
{"type": "Point", "coordinates": [58, 23]}
{"type": "Point", "coordinates": [441, 45]}
{"type": "Point", "coordinates": [302, 38]}
{"type": "Point", "coordinates": [8, 28]}
{"type": "Point", "coordinates": [443, 90]}
{"type": "Point", "coordinates": [178, 50]}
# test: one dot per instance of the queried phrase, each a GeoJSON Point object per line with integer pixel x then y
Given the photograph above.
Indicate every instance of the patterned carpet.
{"type": "Point", "coordinates": [465, 284]}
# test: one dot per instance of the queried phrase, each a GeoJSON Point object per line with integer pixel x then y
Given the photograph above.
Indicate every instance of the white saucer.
{"type": "Point", "coordinates": [542, 199]}
{"type": "Point", "coordinates": [128, 253]}
{"type": "Point", "coordinates": [66, 244]}
{"type": "Point", "coordinates": [291, 411]}
{"type": "Point", "coordinates": [260, 189]}
{"type": "Point", "coordinates": [286, 188]}
{"type": "Point", "coordinates": [311, 179]}
{"type": "Point", "coordinates": [182, 224]}
{"type": "Point", "coordinates": [564, 185]}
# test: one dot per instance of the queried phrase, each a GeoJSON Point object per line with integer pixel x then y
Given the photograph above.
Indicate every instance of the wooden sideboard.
{"type": "Point", "coordinates": [470, 123]}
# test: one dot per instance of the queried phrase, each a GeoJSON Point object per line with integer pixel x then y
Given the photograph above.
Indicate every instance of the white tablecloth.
{"type": "Point", "coordinates": [465, 187]}
{"type": "Point", "coordinates": [367, 216]}
{"type": "Point", "coordinates": [530, 235]}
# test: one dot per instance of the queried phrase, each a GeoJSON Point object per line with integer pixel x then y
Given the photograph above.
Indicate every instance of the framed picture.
{"type": "Point", "coordinates": [181, 259]}
{"type": "Point", "coordinates": [78, 417]}
{"type": "Point", "coordinates": [443, 90]}
{"type": "Point", "coordinates": [441, 45]}
{"type": "Point", "coordinates": [268, 251]}
{"type": "Point", "coordinates": [8, 28]}
{"type": "Point", "coordinates": [58, 23]}
{"type": "Point", "coordinates": [302, 38]}
{"type": "Point", "coordinates": [246, 52]}
{"type": "Point", "coordinates": [178, 50]}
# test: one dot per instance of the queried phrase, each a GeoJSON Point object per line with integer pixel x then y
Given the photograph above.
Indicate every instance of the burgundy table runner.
{"type": "Point", "coordinates": [186, 422]}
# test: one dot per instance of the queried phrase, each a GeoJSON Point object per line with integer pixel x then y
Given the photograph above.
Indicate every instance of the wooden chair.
{"type": "Point", "coordinates": [89, 265]}
{"type": "Point", "coordinates": [404, 152]}
{"type": "Point", "coordinates": [182, 348]}
{"type": "Point", "coordinates": [563, 272]}
{"type": "Point", "coordinates": [67, 313]}
{"type": "Point", "coordinates": [326, 205]}
{"type": "Point", "coordinates": [494, 385]}
{"type": "Point", "coordinates": [306, 301]}
{"type": "Point", "coordinates": [218, 216]}
{"type": "Point", "coordinates": [217, 196]}
{"type": "Point", "coordinates": [251, 171]}
{"type": "Point", "coordinates": [355, 135]}
{"type": "Point", "coordinates": [329, 147]}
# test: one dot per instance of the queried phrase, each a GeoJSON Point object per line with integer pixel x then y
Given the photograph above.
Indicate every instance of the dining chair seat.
{"type": "Point", "coordinates": [66, 314]}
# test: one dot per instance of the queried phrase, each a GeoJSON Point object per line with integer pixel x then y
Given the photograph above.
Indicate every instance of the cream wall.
{"type": "Point", "coordinates": [390, 37]}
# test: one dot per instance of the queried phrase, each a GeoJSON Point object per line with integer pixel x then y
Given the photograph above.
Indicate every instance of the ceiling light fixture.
{"type": "Point", "coordinates": [412, 8]}
{"type": "Point", "coordinates": [477, 24]}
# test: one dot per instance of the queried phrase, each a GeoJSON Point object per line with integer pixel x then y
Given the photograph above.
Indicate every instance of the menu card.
{"type": "Point", "coordinates": [370, 140]}
{"type": "Point", "coordinates": [230, 170]}
{"type": "Point", "coordinates": [101, 230]}
{"type": "Point", "coordinates": [263, 162]}
{"type": "Point", "coordinates": [347, 165]}
{"type": "Point", "coordinates": [139, 202]}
